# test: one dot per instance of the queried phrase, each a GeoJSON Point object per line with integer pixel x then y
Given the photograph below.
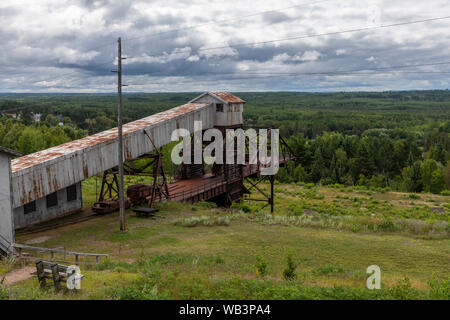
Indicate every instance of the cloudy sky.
{"type": "Point", "coordinates": [198, 45]}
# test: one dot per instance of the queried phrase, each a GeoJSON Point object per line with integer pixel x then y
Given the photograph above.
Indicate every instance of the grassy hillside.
{"type": "Point", "coordinates": [201, 252]}
{"type": "Point", "coordinates": [320, 240]}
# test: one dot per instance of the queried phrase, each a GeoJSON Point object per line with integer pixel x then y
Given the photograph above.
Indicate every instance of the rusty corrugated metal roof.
{"type": "Point", "coordinates": [228, 97]}
{"type": "Point", "coordinates": [108, 135]}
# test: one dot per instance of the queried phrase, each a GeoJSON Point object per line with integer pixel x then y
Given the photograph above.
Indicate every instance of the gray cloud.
{"type": "Point", "coordinates": [275, 17]}
{"type": "Point", "coordinates": [56, 46]}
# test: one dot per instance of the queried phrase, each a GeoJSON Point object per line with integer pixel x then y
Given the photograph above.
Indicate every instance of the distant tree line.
{"type": "Point", "coordinates": [379, 158]}
{"type": "Point", "coordinates": [16, 135]}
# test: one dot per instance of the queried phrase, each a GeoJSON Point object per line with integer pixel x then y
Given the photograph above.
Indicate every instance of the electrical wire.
{"type": "Point", "coordinates": [324, 34]}
{"type": "Point", "coordinates": [225, 21]}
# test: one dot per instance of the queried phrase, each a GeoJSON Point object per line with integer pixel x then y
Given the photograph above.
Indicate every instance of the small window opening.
{"type": "Point", "coordinates": [29, 207]}
{"type": "Point", "coordinates": [52, 200]}
{"type": "Point", "coordinates": [72, 193]}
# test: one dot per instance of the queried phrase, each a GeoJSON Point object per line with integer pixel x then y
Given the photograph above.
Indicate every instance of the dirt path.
{"type": "Point", "coordinates": [19, 275]}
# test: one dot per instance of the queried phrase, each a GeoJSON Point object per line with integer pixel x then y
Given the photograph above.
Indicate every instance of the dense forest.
{"type": "Point", "coordinates": [397, 140]}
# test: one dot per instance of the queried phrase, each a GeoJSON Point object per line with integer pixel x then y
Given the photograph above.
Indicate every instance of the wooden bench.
{"type": "Point", "coordinates": [49, 270]}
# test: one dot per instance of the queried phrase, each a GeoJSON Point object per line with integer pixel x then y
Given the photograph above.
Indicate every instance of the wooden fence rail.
{"type": "Point", "coordinates": [21, 247]}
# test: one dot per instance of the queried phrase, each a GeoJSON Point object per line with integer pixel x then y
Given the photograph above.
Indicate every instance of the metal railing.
{"type": "Point", "coordinates": [202, 188]}
{"type": "Point", "coordinates": [21, 247]}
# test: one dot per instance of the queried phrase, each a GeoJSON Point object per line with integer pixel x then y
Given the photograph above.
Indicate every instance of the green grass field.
{"type": "Point", "coordinates": [201, 252]}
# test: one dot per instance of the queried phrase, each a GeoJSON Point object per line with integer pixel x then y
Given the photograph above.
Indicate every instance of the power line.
{"type": "Point", "coordinates": [290, 74]}
{"type": "Point", "coordinates": [273, 40]}
{"type": "Point", "coordinates": [58, 59]}
{"type": "Point", "coordinates": [69, 73]}
{"type": "Point", "coordinates": [60, 76]}
{"type": "Point", "coordinates": [311, 36]}
{"type": "Point", "coordinates": [301, 74]}
{"type": "Point", "coordinates": [341, 73]}
{"type": "Point", "coordinates": [325, 34]}
{"type": "Point", "coordinates": [223, 21]}
{"type": "Point", "coordinates": [333, 72]}
{"type": "Point", "coordinates": [327, 72]}
{"type": "Point", "coordinates": [177, 29]}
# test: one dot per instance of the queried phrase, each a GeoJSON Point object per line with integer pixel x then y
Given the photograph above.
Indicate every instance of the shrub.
{"type": "Point", "coordinates": [206, 205]}
{"type": "Point", "coordinates": [404, 291]}
{"type": "Point", "coordinates": [219, 260]}
{"type": "Point", "coordinates": [187, 222]}
{"type": "Point", "coordinates": [328, 269]}
{"type": "Point", "coordinates": [223, 221]}
{"type": "Point", "coordinates": [289, 271]}
{"type": "Point", "coordinates": [414, 196]}
{"type": "Point", "coordinates": [4, 293]}
{"type": "Point", "coordinates": [439, 289]}
{"type": "Point", "coordinates": [261, 267]}
{"type": "Point", "coordinates": [241, 206]}
{"type": "Point", "coordinates": [203, 220]}
{"type": "Point", "coordinates": [445, 193]}
{"type": "Point", "coordinates": [387, 225]}
{"type": "Point", "coordinates": [295, 210]}
{"type": "Point", "coordinates": [144, 289]}
{"type": "Point", "coordinates": [171, 206]}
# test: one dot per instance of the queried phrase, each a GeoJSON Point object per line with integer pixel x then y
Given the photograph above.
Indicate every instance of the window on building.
{"type": "Point", "coordinates": [219, 107]}
{"type": "Point", "coordinates": [52, 200]}
{"type": "Point", "coordinates": [72, 193]}
{"type": "Point", "coordinates": [29, 207]}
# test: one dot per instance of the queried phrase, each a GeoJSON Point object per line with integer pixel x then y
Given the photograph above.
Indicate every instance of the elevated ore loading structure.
{"type": "Point", "coordinates": [47, 184]}
{"type": "Point", "coordinates": [38, 175]}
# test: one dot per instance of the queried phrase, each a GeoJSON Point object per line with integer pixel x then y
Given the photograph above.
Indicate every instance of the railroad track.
{"type": "Point", "coordinates": [65, 221]}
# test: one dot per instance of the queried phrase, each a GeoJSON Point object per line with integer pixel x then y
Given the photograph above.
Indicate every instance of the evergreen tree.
{"type": "Point", "coordinates": [437, 181]}
{"type": "Point", "coordinates": [426, 171]}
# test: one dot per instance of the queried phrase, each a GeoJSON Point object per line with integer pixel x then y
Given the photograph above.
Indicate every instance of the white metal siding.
{"type": "Point", "coordinates": [37, 181]}
{"type": "Point", "coordinates": [232, 114]}
{"type": "Point", "coordinates": [6, 221]}
{"type": "Point", "coordinates": [43, 213]}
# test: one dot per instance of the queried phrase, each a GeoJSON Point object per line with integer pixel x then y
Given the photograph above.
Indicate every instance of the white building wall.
{"type": "Point", "coordinates": [75, 161]}
{"type": "Point", "coordinates": [231, 115]}
{"type": "Point", "coordinates": [6, 220]}
{"type": "Point", "coordinates": [43, 213]}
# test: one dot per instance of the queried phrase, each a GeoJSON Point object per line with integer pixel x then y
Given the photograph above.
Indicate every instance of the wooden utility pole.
{"type": "Point", "coordinates": [119, 121]}
{"type": "Point", "coordinates": [271, 193]}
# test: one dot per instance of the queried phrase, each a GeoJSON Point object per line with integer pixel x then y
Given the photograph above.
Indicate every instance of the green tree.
{"type": "Point", "coordinates": [91, 125]}
{"type": "Point", "coordinates": [437, 181]}
{"type": "Point", "coordinates": [438, 153]}
{"type": "Point", "coordinates": [400, 155]}
{"type": "Point", "coordinates": [426, 171]}
{"type": "Point", "coordinates": [31, 140]}
{"type": "Point", "coordinates": [51, 120]}
{"type": "Point", "coordinates": [300, 146]}
{"type": "Point", "coordinates": [412, 177]}
{"type": "Point", "coordinates": [446, 174]}
{"type": "Point", "coordinates": [318, 169]}
{"type": "Point", "coordinates": [300, 174]}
